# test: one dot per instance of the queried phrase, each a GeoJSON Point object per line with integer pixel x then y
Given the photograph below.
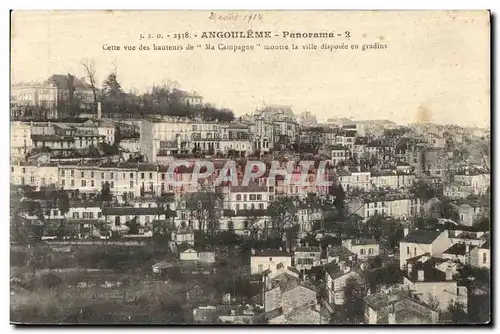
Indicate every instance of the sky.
{"type": "Point", "coordinates": [436, 66]}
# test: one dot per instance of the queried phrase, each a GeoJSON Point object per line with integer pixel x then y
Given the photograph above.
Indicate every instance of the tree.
{"type": "Point", "coordinates": [89, 68]}
{"type": "Point", "coordinates": [432, 302]}
{"type": "Point", "coordinates": [106, 192]}
{"type": "Point", "coordinates": [423, 190]}
{"type": "Point", "coordinates": [353, 308]}
{"type": "Point", "coordinates": [457, 313]}
{"type": "Point", "coordinates": [374, 226]}
{"type": "Point", "coordinates": [283, 214]}
{"type": "Point", "coordinates": [337, 191]}
{"type": "Point", "coordinates": [133, 226]}
{"type": "Point", "coordinates": [483, 222]}
{"type": "Point", "coordinates": [111, 87]}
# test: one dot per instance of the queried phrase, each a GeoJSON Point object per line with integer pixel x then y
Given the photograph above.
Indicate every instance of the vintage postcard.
{"type": "Point", "coordinates": [250, 167]}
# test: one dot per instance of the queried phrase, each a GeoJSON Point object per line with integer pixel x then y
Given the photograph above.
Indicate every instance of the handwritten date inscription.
{"type": "Point", "coordinates": [230, 16]}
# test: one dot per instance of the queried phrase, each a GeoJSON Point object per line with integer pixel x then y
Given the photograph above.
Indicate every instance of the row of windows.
{"type": "Point", "coordinates": [112, 174]}
{"type": "Point", "coordinates": [370, 251]}
{"type": "Point", "coordinates": [86, 215]}
{"type": "Point", "coordinates": [253, 197]}
{"type": "Point", "coordinates": [249, 206]}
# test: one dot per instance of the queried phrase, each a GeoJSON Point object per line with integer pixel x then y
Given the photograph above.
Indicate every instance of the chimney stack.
{"type": "Point", "coordinates": [421, 275]}
{"type": "Point", "coordinates": [99, 110]}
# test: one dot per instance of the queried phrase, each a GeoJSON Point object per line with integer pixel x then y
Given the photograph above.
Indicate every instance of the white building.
{"type": "Point", "coordinates": [269, 260]}
{"type": "Point", "coordinates": [363, 248]}
{"type": "Point", "coordinates": [420, 242]}
{"type": "Point", "coordinates": [351, 180]}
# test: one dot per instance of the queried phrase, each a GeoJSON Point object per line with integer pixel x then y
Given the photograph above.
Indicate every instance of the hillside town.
{"type": "Point", "coordinates": [117, 218]}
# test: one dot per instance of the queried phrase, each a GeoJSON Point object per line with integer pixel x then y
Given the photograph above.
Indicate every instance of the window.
{"type": "Point", "coordinates": [131, 184]}
{"type": "Point", "coordinates": [99, 214]}
{"type": "Point", "coordinates": [92, 174]}
{"type": "Point", "coordinates": [238, 197]}
{"type": "Point", "coordinates": [370, 251]}
{"type": "Point", "coordinates": [83, 174]}
{"type": "Point", "coordinates": [252, 197]}
{"type": "Point", "coordinates": [415, 251]}
{"type": "Point", "coordinates": [362, 251]}
{"type": "Point", "coordinates": [150, 176]}
{"type": "Point", "coordinates": [142, 176]}
{"type": "Point", "coordinates": [259, 197]}
{"type": "Point", "coordinates": [245, 197]}
{"type": "Point", "coordinates": [84, 183]}
{"type": "Point", "coordinates": [76, 215]}
{"type": "Point", "coordinates": [237, 207]}
{"type": "Point", "coordinates": [102, 175]}
{"type": "Point", "coordinates": [163, 176]}
{"type": "Point", "coordinates": [146, 219]}
{"type": "Point", "coordinates": [484, 258]}
{"type": "Point", "coordinates": [72, 173]}
{"type": "Point", "coordinates": [271, 198]}
{"type": "Point", "coordinates": [131, 175]}
{"type": "Point", "coordinates": [112, 175]}
{"type": "Point", "coordinates": [407, 250]}
{"type": "Point", "coordinates": [112, 184]}
{"type": "Point", "coordinates": [63, 183]}
{"type": "Point", "coordinates": [261, 206]}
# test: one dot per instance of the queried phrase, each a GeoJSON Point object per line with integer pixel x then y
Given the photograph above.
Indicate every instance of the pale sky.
{"type": "Point", "coordinates": [437, 64]}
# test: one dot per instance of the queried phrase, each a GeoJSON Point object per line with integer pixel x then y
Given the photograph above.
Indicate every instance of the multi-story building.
{"type": "Point", "coordinates": [52, 93]}
{"type": "Point", "coordinates": [431, 284]}
{"type": "Point", "coordinates": [306, 257]}
{"type": "Point", "coordinates": [478, 181]}
{"type": "Point", "coordinates": [34, 174]}
{"type": "Point", "coordinates": [337, 276]}
{"type": "Point", "coordinates": [262, 132]}
{"type": "Point", "coordinates": [339, 153]}
{"type": "Point", "coordinates": [362, 248]}
{"type": "Point", "coordinates": [397, 205]}
{"type": "Point", "coordinates": [261, 261]}
{"type": "Point", "coordinates": [419, 242]}
{"type": "Point", "coordinates": [246, 198]}
{"type": "Point", "coordinates": [354, 179]}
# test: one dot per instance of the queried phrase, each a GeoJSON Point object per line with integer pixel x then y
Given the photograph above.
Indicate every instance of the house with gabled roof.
{"type": "Point", "coordinates": [397, 306]}
{"type": "Point", "coordinates": [269, 259]}
{"type": "Point", "coordinates": [430, 284]}
{"type": "Point", "coordinates": [480, 256]}
{"type": "Point", "coordinates": [420, 241]}
{"type": "Point", "coordinates": [336, 277]}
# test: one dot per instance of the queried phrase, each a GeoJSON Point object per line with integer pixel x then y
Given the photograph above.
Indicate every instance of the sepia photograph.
{"type": "Point", "coordinates": [250, 167]}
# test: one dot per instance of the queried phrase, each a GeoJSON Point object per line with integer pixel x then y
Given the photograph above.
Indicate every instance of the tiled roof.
{"type": "Point", "coordinates": [51, 138]}
{"type": "Point", "coordinates": [421, 236]}
{"type": "Point", "coordinates": [431, 274]}
{"type": "Point", "coordinates": [132, 211]}
{"type": "Point", "coordinates": [456, 249]}
{"type": "Point", "coordinates": [308, 249]}
{"type": "Point", "coordinates": [272, 252]}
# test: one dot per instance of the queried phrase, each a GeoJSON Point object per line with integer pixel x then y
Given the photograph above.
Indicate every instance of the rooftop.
{"type": "Point", "coordinates": [421, 236]}
{"type": "Point", "coordinates": [271, 253]}
{"type": "Point", "coordinates": [456, 249]}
